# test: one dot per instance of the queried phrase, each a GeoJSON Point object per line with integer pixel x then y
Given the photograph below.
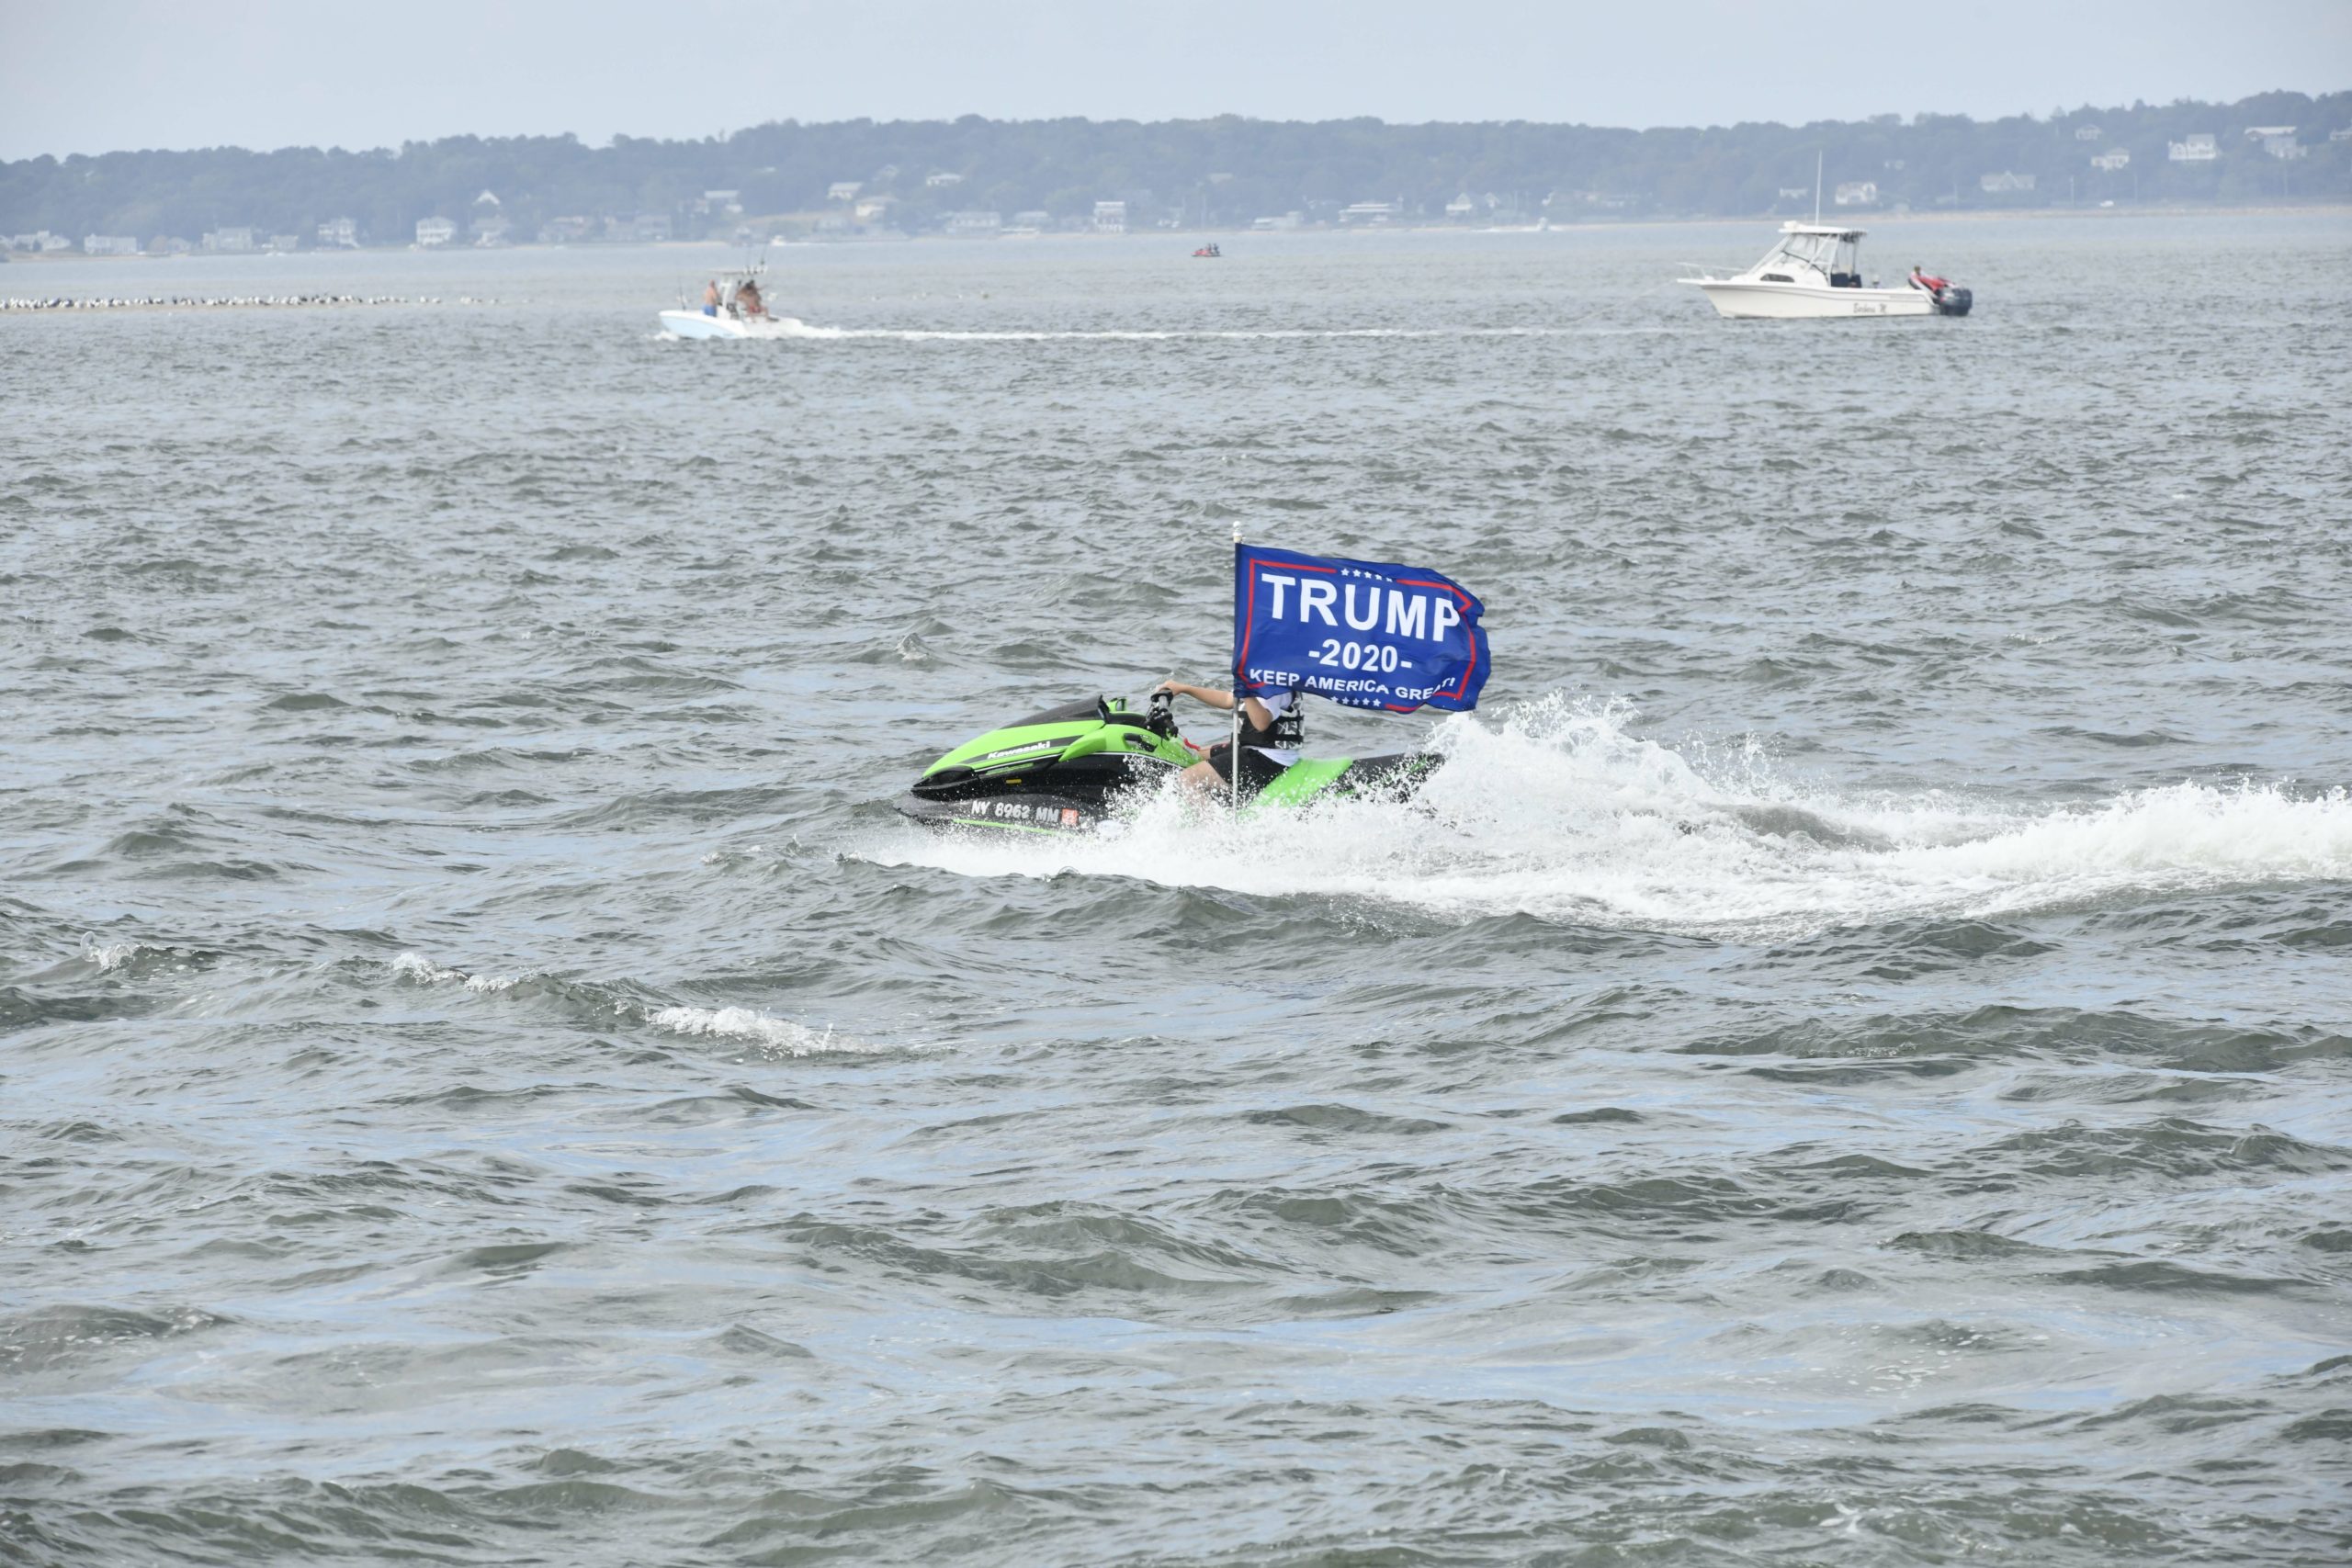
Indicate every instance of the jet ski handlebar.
{"type": "Point", "coordinates": [1159, 713]}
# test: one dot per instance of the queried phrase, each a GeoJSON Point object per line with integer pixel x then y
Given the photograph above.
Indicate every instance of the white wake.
{"type": "Point", "coordinates": [1563, 812]}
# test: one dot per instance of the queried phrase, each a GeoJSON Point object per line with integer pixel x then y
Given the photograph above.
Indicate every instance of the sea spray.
{"type": "Point", "coordinates": [1561, 808]}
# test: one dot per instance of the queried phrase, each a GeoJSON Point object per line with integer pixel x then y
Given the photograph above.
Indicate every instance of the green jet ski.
{"type": "Point", "coordinates": [1070, 769]}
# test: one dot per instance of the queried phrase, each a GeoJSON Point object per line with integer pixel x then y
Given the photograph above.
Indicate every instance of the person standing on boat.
{"type": "Point", "coordinates": [710, 297]}
{"type": "Point", "coordinates": [1922, 278]}
{"type": "Point", "coordinates": [747, 298]}
{"type": "Point", "coordinates": [1272, 732]}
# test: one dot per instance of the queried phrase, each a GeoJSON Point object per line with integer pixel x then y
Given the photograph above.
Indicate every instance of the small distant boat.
{"type": "Point", "coordinates": [739, 312]}
{"type": "Point", "coordinates": [1815, 271]}
{"type": "Point", "coordinates": [1210, 250]}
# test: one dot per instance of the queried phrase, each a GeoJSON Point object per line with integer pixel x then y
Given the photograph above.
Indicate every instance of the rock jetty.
{"type": "Point", "coordinates": [225, 301]}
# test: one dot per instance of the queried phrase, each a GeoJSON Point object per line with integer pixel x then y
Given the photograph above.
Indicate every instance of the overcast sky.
{"type": "Point", "coordinates": [100, 75]}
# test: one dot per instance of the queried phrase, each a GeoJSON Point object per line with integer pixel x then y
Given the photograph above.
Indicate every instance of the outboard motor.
{"type": "Point", "coordinates": [1951, 300]}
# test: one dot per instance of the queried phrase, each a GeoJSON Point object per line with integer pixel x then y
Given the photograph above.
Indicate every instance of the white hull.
{"type": "Point", "coordinates": [693, 323]}
{"type": "Point", "coordinates": [1790, 302]}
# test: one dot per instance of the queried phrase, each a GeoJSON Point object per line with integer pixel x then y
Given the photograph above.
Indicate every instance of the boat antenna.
{"type": "Point", "coordinates": [1816, 188]}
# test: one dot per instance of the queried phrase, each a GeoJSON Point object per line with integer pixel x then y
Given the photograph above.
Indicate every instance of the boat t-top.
{"type": "Point", "coordinates": [731, 306]}
{"type": "Point", "coordinates": [1816, 270]}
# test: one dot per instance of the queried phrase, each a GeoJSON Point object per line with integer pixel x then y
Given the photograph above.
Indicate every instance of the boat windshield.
{"type": "Point", "coordinates": [1835, 256]}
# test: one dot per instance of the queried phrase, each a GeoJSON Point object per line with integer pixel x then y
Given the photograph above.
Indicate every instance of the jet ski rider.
{"type": "Point", "coordinates": [1272, 732]}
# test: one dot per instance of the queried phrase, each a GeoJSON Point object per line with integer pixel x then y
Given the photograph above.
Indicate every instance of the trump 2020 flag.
{"type": "Point", "coordinates": [1368, 634]}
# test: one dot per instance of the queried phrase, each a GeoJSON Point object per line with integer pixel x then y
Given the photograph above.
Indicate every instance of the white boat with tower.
{"type": "Point", "coordinates": [731, 308]}
{"type": "Point", "coordinates": [1815, 270]}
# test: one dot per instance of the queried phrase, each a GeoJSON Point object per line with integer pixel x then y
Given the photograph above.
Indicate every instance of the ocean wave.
{"type": "Point", "coordinates": [113, 955]}
{"type": "Point", "coordinates": [131, 958]}
{"type": "Point", "coordinates": [423, 971]}
{"type": "Point", "coordinates": [772, 1035]}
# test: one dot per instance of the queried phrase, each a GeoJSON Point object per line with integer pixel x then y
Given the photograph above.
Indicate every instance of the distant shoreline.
{"type": "Point", "coordinates": [971, 176]}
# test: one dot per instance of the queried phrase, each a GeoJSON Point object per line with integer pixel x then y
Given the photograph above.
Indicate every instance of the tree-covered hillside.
{"type": "Point", "coordinates": [1219, 173]}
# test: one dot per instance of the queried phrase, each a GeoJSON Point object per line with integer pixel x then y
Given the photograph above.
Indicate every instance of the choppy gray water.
{"type": "Point", "coordinates": [1853, 1065]}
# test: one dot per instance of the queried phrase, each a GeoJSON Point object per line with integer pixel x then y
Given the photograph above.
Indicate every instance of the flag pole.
{"type": "Point", "coordinates": [1233, 746]}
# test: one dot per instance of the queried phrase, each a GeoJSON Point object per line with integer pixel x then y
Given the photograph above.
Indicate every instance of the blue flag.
{"type": "Point", "coordinates": [1365, 633]}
